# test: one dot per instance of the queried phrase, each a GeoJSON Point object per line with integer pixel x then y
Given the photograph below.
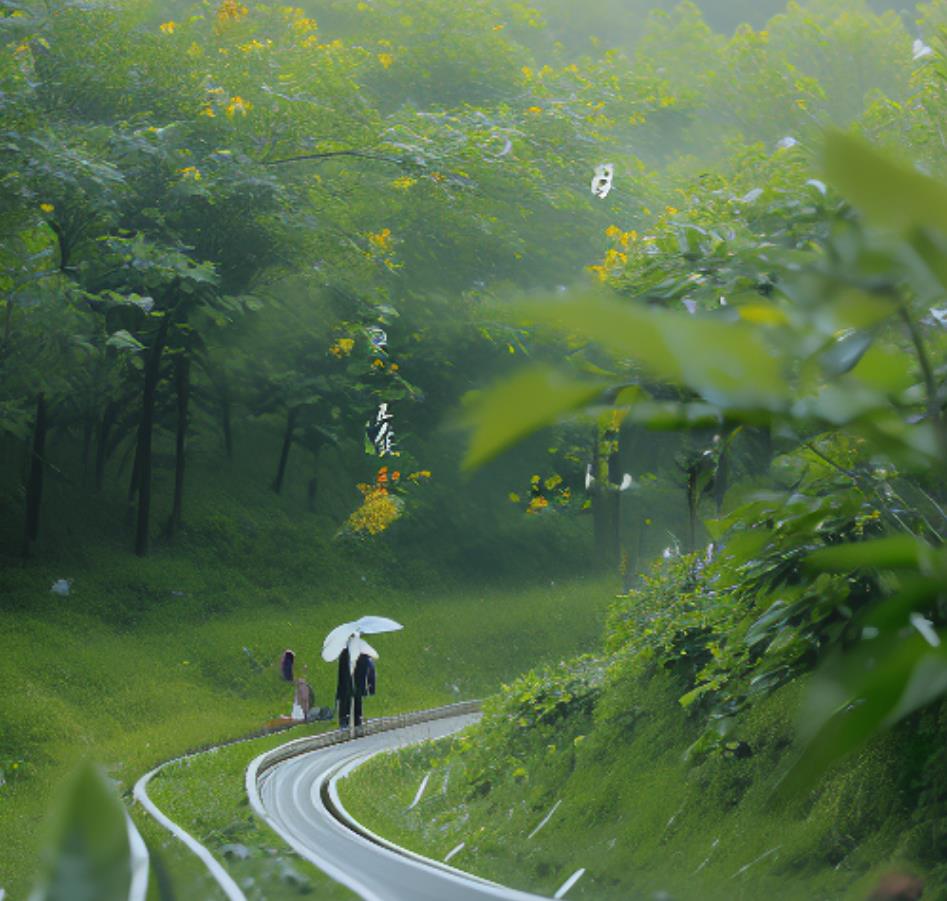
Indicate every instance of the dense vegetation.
{"type": "Point", "coordinates": [229, 232]}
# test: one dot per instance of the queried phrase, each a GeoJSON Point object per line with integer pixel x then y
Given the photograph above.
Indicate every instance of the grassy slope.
{"type": "Point", "coordinates": [643, 822]}
{"type": "Point", "coordinates": [148, 658]}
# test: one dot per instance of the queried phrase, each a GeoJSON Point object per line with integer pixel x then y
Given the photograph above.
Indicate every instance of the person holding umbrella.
{"type": "Point", "coordinates": [356, 664]}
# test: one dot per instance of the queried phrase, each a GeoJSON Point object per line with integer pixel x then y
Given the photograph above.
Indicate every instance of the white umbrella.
{"type": "Point", "coordinates": [336, 641]}
{"type": "Point", "coordinates": [358, 646]}
{"type": "Point", "coordinates": [349, 635]}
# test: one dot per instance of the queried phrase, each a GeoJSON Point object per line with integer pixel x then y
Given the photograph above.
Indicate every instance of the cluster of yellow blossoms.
{"type": "Point", "coordinates": [231, 11]}
{"type": "Point", "coordinates": [342, 347]}
{"type": "Point", "coordinates": [238, 105]}
{"type": "Point", "coordinates": [380, 508]}
{"type": "Point", "coordinates": [378, 511]}
{"type": "Point", "coordinates": [381, 240]}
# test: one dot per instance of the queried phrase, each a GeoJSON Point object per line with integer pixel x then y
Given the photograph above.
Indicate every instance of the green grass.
{"type": "Point", "coordinates": [644, 822]}
{"type": "Point", "coordinates": [148, 658]}
{"type": "Point", "coordinates": [132, 697]}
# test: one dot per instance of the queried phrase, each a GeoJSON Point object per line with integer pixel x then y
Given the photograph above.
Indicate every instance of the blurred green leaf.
{"type": "Point", "coordinates": [844, 355]}
{"type": "Point", "coordinates": [869, 692]}
{"type": "Point", "coordinates": [729, 363]}
{"type": "Point", "coordinates": [88, 858]}
{"type": "Point", "coordinates": [530, 400]}
{"type": "Point", "coordinates": [890, 195]}
{"type": "Point", "coordinates": [124, 340]}
{"type": "Point", "coordinates": [896, 552]}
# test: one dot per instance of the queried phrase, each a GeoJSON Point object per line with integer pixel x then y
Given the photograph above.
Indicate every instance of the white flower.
{"type": "Point", "coordinates": [602, 180]}
{"type": "Point", "coordinates": [920, 50]}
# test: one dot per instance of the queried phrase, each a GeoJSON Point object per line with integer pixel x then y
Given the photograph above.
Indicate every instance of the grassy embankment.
{"type": "Point", "coordinates": [644, 821]}
{"type": "Point", "coordinates": [148, 658]}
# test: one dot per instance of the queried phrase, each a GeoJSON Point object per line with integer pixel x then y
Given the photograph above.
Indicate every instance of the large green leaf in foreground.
{"type": "Point", "coordinates": [525, 403]}
{"type": "Point", "coordinates": [88, 858]}
{"type": "Point", "coordinates": [890, 194]}
{"type": "Point", "coordinates": [729, 364]}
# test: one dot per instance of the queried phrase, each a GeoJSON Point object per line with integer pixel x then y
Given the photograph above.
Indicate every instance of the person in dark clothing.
{"type": "Point", "coordinates": [354, 685]}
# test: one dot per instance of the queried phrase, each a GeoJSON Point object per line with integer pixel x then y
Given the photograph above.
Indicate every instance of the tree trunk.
{"type": "Point", "coordinates": [88, 427]}
{"type": "Point", "coordinates": [606, 500]}
{"type": "Point", "coordinates": [225, 421]}
{"type": "Point", "coordinates": [693, 507]}
{"type": "Point", "coordinates": [145, 430]}
{"type": "Point", "coordinates": [284, 453]}
{"type": "Point", "coordinates": [101, 450]}
{"type": "Point", "coordinates": [722, 474]}
{"type": "Point", "coordinates": [34, 484]}
{"type": "Point", "coordinates": [182, 382]}
{"type": "Point", "coordinates": [135, 479]}
{"type": "Point", "coordinates": [8, 322]}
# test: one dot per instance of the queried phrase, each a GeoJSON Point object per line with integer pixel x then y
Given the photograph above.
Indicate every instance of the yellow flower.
{"type": "Point", "coordinates": [304, 25]}
{"type": "Point", "coordinates": [394, 367]}
{"type": "Point", "coordinates": [613, 231]}
{"type": "Point", "coordinates": [378, 364]}
{"type": "Point", "coordinates": [191, 172]}
{"type": "Point", "coordinates": [382, 239]}
{"type": "Point", "coordinates": [537, 504]}
{"type": "Point", "coordinates": [342, 347]}
{"type": "Point", "coordinates": [378, 511]}
{"type": "Point", "coordinates": [527, 72]}
{"type": "Point", "coordinates": [208, 111]}
{"type": "Point", "coordinates": [600, 271]}
{"type": "Point", "coordinates": [250, 46]}
{"type": "Point", "coordinates": [238, 105]}
{"type": "Point", "coordinates": [230, 11]}
{"type": "Point", "coordinates": [671, 210]}
{"type": "Point", "coordinates": [386, 59]}
{"type": "Point", "coordinates": [47, 207]}
{"type": "Point", "coordinates": [499, 27]}
{"type": "Point", "coordinates": [802, 104]}
{"type": "Point", "coordinates": [167, 27]}
{"type": "Point", "coordinates": [535, 110]}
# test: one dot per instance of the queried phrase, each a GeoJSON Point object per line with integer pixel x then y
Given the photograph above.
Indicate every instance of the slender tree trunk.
{"type": "Point", "coordinates": [88, 427]}
{"type": "Point", "coordinates": [284, 453]}
{"type": "Point", "coordinates": [8, 322]}
{"type": "Point", "coordinates": [135, 478]}
{"type": "Point", "coordinates": [225, 421]}
{"type": "Point", "coordinates": [693, 506]}
{"type": "Point", "coordinates": [606, 501]}
{"type": "Point", "coordinates": [182, 382]}
{"type": "Point", "coordinates": [145, 430]}
{"type": "Point", "coordinates": [34, 484]}
{"type": "Point", "coordinates": [101, 449]}
{"type": "Point", "coordinates": [722, 475]}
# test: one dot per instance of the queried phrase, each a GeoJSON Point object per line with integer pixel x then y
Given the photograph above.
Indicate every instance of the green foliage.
{"type": "Point", "coordinates": [89, 855]}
